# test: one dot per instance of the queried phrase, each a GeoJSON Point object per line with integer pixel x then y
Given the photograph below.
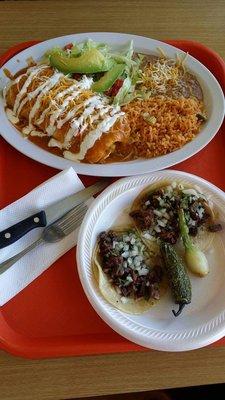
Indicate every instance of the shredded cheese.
{"type": "Point", "coordinates": [160, 73]}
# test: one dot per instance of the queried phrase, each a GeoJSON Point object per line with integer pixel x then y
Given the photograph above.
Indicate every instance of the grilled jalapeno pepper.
{"type": "Point", "coordinates": [178, 278]}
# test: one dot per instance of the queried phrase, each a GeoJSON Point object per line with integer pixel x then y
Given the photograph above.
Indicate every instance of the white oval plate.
{"type": "Point", "coordinates": [213, 98]}
{"type": "Point", "coordinates": [203, 321]}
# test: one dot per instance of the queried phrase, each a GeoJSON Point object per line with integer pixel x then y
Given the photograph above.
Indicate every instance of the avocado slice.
{"type": "Point", "coordinates": [88, 63]}
{"type": "Point", "coordinates": [108, 79]}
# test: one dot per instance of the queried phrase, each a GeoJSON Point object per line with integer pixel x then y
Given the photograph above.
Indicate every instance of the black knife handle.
{"type": "Point", "coordinates": [15, 232]}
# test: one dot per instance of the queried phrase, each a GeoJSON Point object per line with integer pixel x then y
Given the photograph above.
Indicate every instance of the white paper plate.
{"type": "Point", "coordinates": [203, 321]}
{"type": "Point", "coordinates": [213, 98]}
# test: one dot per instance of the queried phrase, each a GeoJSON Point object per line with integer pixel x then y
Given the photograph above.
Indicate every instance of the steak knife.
{"type": "Point", "coordinates": [49, 214]}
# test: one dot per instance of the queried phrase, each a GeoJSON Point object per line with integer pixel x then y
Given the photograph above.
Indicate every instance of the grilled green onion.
{"type": "Point", "coordinates": [195, 259]}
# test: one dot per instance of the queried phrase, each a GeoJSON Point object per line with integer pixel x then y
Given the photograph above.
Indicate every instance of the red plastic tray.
{"type": "Point", "coordinates": [52, 317]}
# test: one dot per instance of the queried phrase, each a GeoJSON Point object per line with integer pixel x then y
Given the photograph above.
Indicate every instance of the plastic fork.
{"type": "Point", "coordinates": [55, 232]}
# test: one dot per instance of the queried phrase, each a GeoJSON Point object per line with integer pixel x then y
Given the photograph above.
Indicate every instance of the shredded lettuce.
{"type": "Point", "coordinates": [125, 55]}
{"type": "Point", "coordinates": [80, 48]}
{"type": "Point", "coordinates": [53, 50]}
{"type": "Point", "coordinates": [119, 98]}
{"type": "Point", "coordinates": [75, 51]}
{"type": "Point", "coordinates": [127, 93]}
{"type": "Point", "coordinates": [130, 49]}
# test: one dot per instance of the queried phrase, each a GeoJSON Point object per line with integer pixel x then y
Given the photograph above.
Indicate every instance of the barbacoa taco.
{"type": "Point", "coordinates": [128, 277]}
{"type": "Point", "coordinates": [155, 214]}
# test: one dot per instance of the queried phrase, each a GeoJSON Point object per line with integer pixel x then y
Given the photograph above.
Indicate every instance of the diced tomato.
{"type": "Point", "coordinates": [68, 46]}
{"type": "Point", "coordinates": [115, 88]}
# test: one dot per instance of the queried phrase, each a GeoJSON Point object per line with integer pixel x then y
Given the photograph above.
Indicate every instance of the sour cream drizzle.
{"type": "Point", "coordinates": [35, 93]}
{"type": "Point", "coordinates": [95, 110]}
{"type": "Point", "coordinates": [74, 110]}
{"type": "Point", "coordinates": [51, 82]}
{"type": "Point", "coordinates": [78, 125]}
{"type": "Point", "coordinates": [31, 72]}
{"type": "Point", "coordinates": [11, 116]}
{"type": "Point", "coordinates": [13, 82]}
{"type": "Point", "coordinates": [85, 83]}
{"type": "Point", "coordinates": [78, 87]}
{"type": "Point", "coordinates": [91, 137]}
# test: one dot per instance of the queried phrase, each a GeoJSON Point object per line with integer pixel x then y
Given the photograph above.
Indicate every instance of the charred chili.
{"type": "Point", "coordinates": [177, 275]}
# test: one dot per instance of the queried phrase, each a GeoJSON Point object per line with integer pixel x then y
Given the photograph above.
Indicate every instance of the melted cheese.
{"type": "Point", "coordinates": [11, 83]}
{"type": "Point", "coordinates": [11, 116]}
{"type": "Point", "coordinates": [74, 110]}
{"type": "Point", "coordinates": [49, 85]}
{"type": "Point", "coordinates": [93, 116]}
{"type": "Point", "coordinates": [78, 87]}
{"type": "Point", "coordinates": [27, 130]}
{"type": "Point", "coordinates": [91, 137]}
{"type": "Point", "coordinates": [37, 133]}
{"type": "Point", "coordinates": [73, 91]}
{"type": "Point", "coordinates": [78, 125]}
{"type": "Point", "coordinates": [31, 73]}
{"type": "Point", "coordinates": [32, 95]}
{"type": "Point", "coordinates": [55, 143]}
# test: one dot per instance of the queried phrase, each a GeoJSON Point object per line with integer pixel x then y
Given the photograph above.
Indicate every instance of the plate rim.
{"type": "Point", "coordinates": [195, 338]}
{"type": "Point", "coordinates": [12, 136]}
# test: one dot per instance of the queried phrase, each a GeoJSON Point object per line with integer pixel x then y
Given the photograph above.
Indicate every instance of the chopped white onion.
{"type": "Point", "coordinates": [158, 213]}
{"type": "Point", "coordinates": [161, 223]}
{"type": "Point", "coordinates": [132, 241]}
{"type": "Point", "coordinates": [191, 192]}
{"type": "Point", "coordinates": [143, 271]}
{"type": "Point", "coordinates": [134, 253]}
{"type": "Point", "coordinates": [124, 300]}
{"type": "Point", "coordinates": [129, 261]}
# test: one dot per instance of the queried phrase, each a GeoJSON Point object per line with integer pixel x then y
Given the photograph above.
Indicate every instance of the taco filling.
{"type": "Point", "coordinates": [126, 275]}
{"type": "Point", "coordinates": [155, 212]}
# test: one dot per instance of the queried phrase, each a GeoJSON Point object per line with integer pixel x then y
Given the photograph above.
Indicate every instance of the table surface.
{"type": "Point", "coordinates": [66, 378]}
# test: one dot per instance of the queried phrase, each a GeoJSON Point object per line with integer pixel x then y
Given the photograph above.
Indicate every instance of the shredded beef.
{"type": "Point", "coordinates": [126, 290]}
{"type": "Point", "coordinates": [193, 230]}
{"type": "Point", "coordinates": [169, 236]}
{"type": "Point", "coordinates": [115, 265]}
{"type": "Point", "coordinates": [143, 218]}
{"type": "Point", "coordinates": [215, 228]}
{"type": "Point", "coordinates": [141, 286]}
{"type": "Point", "coordinates": [105, 243]}
{"type": "Point", "coordinates": [155, 291]}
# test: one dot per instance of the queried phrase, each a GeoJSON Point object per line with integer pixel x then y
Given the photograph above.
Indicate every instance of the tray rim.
{"type": "Point", "coordinates": [115, 346]}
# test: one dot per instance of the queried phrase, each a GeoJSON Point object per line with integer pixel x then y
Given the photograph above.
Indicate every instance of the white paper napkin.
{"type": "Point", "coordinates": [38, 260]}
